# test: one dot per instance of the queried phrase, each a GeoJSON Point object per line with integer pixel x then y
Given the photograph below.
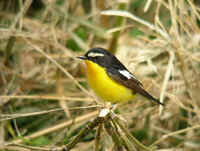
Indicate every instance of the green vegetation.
{"type": "Point", "coordinates": [45, 101]}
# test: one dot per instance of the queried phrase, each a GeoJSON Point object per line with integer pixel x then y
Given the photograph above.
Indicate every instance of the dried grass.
{"type": "Point", "coordinates": [39, 73]}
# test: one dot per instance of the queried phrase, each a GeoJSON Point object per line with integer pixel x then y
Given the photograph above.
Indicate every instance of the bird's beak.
{"type": "Point", "coordinates": [82, 57]}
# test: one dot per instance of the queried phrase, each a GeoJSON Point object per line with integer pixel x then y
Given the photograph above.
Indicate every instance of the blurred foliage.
{"type": "Point", "coordinates": [134, 32]}
{"type": "Point", "coordinates": [34, 32]}
{"type": "Point", "coordinates": [82, 33]}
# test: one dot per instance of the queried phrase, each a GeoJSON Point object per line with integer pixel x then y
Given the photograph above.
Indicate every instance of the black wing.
{"type": "Point", "coordinates": [129, 81]}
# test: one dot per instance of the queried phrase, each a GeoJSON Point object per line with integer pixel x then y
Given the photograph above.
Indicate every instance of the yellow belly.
{"type": "Point", "coordinates": [104, 87]}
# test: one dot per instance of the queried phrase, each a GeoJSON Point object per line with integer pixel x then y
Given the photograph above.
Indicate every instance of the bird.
{"type": "Point", "coordinates": [110, 79]}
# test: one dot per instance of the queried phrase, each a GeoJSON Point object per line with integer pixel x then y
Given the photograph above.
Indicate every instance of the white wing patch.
{"type": "Point", "coordinates": [93, 54]}
{"type": "Point", "coordinates": [127, 74]}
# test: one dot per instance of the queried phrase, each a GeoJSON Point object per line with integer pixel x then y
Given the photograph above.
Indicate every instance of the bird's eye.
{"type": "Point", "coordinates": [94, 58]}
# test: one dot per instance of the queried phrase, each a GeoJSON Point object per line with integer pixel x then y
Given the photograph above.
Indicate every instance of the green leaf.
{"type": "Point", "coordinates": [42, 140]}
{"type": "Point", "coordinates": [135, 32]}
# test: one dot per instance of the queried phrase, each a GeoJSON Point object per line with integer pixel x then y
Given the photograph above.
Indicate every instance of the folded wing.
{"type": "Point", "coordinates": [124, 77]}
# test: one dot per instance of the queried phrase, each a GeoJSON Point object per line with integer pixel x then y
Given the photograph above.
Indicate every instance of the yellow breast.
{"type": "Point", "coordinates": [104, 86]}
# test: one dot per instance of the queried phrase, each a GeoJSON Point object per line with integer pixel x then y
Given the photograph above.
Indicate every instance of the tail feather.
{"type": "Point", "coordinates": [147, 95]}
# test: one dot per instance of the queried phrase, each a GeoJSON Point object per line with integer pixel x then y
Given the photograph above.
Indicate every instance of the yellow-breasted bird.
{"type": "Point", "coordinates": [110, 79]}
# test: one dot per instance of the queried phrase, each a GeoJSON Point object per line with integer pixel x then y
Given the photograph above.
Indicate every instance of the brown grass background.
{"type": "Point", "coordinates": [44, 97]}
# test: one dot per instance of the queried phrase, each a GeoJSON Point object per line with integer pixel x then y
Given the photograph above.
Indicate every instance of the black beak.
{"type": "Point", "coordinates": [82, 57]}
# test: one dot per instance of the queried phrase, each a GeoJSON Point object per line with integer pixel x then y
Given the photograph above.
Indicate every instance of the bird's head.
{"type": "Point", "coordinates": [99, 56]}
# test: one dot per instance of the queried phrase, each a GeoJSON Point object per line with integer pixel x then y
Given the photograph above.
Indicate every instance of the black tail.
{"type": "Point", "coordinates": [147, 95]}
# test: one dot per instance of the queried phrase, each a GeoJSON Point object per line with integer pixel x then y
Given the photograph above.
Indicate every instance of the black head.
{"type": "Point", "coordinates": [102, 57]}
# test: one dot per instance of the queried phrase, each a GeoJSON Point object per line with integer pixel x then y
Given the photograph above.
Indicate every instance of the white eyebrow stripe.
{"type": "Point", "coordinates": [92, 54]}
{"type": "Point", "coordinates": [126, 74]}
